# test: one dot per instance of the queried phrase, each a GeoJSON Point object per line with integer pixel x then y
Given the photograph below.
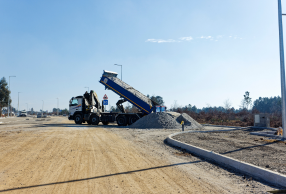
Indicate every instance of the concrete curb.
{"type": "Point", "coordinates": [210, 125]}
{"type": "Point", "coordinates": [273, 129]}
{"type": "Point", "coordinates": [246, 168]}
{"type": "Point", "coordinates": [268, 134]}
{"type": "Point", "coordinates": [253, 127]}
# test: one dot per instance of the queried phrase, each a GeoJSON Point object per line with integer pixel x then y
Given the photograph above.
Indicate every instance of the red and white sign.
{"type": "Point", "coordinates": [105, 97]}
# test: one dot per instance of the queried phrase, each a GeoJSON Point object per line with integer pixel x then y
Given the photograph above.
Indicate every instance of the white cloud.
{"type": "Point", "coordinates": [161, 40]}
{"type": "Point", "coordinates": [189, 38]}
{"type": "Point", "coordinates": [206, 37]}
{"type": "Point", "coordinates": [186, 38]}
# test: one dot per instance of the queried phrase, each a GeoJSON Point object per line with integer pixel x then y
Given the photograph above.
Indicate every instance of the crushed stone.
{"type": "Point", "coordinates": [189, 121]}
{"type": "Point", "coordinates": [156, 120]}
{"type": "Point", "coordinates": [167, 120]}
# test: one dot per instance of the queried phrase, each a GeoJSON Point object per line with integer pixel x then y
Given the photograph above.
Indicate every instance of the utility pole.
{"type": "Point", "coordinates": [27, 108]}
{"type": "Point", "coordinates": [282, 68]}
{"type": "Point", "coordinates": [58, 107]}
{"type": "Point", "coordinates": [18, 102]}
{"type": "Point", "coordinates": [9, 96]}
{"type": "Point", "coordinates": [42, 108]}
{"type": "Point", "coordinates": [121, 70]}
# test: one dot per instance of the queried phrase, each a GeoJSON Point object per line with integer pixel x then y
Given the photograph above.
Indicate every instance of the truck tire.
{"type": "Point", "coordinates": [121, 121]}
{"type": "Point", "coordinates": [88, 122]}
{"type": "Point", "coordinates": [132, 119]}
{"type": "Point", "coordinates": [78, 119]}
{"type": "Point", "coordinates": [105, 122]}
{"type": "Point", "coordinates": [94, 120]}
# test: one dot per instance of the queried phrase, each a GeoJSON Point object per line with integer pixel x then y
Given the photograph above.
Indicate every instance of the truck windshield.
{"type": "Point", "coordinates": [73, 102]}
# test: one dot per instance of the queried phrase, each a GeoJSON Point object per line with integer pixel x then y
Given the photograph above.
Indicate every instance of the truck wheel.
{"type": "Point", "coordinates": [94, 120]}
{"type": "Point", "coordinates": [121, 121]}
{"type": "Point", "coordinates": [132, 120]}
{"type": "Point", "coordinates": [78, 119]}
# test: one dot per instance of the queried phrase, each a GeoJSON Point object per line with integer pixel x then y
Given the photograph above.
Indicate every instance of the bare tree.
{"type": "Point", "coordinates": [242, 104]}
{"type": "Point", "coordinates": [175, 106]}
{"type": "Point", "coordinates": [227, 104]}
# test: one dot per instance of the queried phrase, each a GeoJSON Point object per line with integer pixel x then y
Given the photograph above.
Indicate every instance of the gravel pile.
{"type": "Point", "coordinates": [168, 120]}
{"type": "Point", "coordinates": [156, 120]}
{"type": "Point", "coordinates": [189, 121]}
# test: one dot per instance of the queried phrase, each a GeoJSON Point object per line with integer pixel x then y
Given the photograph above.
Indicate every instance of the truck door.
{"type": "Point", "coordinates": [75, 105]}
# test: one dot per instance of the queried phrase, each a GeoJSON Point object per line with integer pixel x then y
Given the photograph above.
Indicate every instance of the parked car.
{"type": "Point", "coordinates": [23, 114]}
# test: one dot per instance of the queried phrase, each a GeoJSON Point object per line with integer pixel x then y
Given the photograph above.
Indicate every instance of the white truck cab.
{"type": "Point", "coordinates": [87, 108]}
{"type": "Point", "coordinates": [75, 105]}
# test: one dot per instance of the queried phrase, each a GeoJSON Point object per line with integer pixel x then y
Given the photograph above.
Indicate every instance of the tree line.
{"type": "Point", "coordinates": [4, 94]}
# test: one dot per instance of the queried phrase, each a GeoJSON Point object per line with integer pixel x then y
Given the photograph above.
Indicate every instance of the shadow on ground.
{"type": "Point", "coordinates": [97, 177]}
{"type": "Point", "coordinates": [225, 167]}
{"type": "Point", "coordinates": [80, 125]}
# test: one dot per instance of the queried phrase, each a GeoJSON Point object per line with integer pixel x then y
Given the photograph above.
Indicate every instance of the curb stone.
{"type": "Point", "coordinates": [253, 127]}
{"type": "Point", "coordinates": [246, 168]}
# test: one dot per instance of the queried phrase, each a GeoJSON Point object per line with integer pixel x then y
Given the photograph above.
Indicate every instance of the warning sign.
{"type": "Point", "coordinates": [105, 97]}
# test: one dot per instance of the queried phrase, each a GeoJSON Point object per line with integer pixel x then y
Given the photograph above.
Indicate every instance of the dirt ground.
{"type": "Point", "coordinates": [258, 150]}
{"type": "Point", "coordinates": [54, 155]}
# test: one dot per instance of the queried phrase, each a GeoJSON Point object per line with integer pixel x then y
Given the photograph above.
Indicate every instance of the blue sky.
{"type": "Point", "coordinates": [194, 52]}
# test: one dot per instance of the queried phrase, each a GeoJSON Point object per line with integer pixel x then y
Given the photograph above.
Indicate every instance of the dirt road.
{"type": "Point", "coordinates": [58, 156]}
{"type": "Point", "coordinates": [70, 159]}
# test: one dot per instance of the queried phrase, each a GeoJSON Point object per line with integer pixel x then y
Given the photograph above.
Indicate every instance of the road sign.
{"type": "Point", "coordinates": [105, 102]}
{"type": "Point", "coordinates": [105, 97]}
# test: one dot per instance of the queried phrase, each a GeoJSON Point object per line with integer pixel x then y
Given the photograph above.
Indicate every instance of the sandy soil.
{"type": "Point", "coordinates": [258, 150]}
{"type": "Point", "coordinates": [56, 156]}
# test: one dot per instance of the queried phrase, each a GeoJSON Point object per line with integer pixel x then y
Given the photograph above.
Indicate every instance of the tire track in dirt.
{"type": "Point", "coordinates": [167, 173]}
{"type": "Point", "coordinates": [63, 159]}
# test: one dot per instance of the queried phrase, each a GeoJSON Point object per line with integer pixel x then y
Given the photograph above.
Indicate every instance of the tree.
{"type": "Point", "coordinates": [189, 107]}
{"type": "Point", "coordinates": [194, 108]}
{"type": "Point", "coordinates": [64, 111]}
{"type": "Point", "coordinates": [174, 106]}
{"type": "Point", "coordinates": [247, 99]}
{"type": "Point", "coordinates": [227, 104]}
{"type": "Point", "coordinates": [4, 94]}
{"type": "Point", "coordinates": [268, 105]}
{"type": "Point", "coordinates": [158, 99]}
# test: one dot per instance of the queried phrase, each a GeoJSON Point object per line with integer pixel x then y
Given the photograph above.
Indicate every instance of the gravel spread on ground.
{"type": "Point", "coordinates": [166, 120]}
{"type": "Point", "coordinates": [257, 150]}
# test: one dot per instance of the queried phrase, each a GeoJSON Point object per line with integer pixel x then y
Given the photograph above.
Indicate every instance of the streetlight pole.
{"type": "Point", "coordinates": [18, 102]}
{"type": "Point", "coordinates": [282, 68]}
{"type": "Point", "coordinates": [9, 95]}
{"type": "Point", "coordinates": [121, 70]}
{"type": "Point", "coordinates": [27, 108]}
{"type": "Point", "coordinates": [58, 107]}
{"type": "Point", "coordinates": [42, 108]}
{"type": "Point", "coordinates": [87, 89]}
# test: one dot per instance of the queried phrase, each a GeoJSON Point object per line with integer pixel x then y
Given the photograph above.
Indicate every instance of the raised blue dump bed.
{"type": "Point", "coordinates": [110, 81]}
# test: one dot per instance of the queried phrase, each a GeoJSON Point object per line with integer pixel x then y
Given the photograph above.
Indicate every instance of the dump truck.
{"type": "Point", "coordinates": [87, 108]}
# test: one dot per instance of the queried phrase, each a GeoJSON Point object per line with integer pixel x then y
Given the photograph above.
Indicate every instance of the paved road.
{"type": "Point", "coordinates": [58, 156]}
